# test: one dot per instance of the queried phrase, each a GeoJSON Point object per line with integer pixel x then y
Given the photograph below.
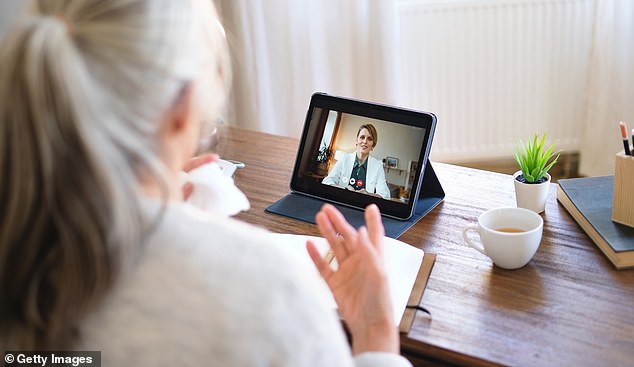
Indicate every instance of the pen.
{"type": "Point", "coordinates": [626, 141]}
{"type": "Point", "coordinates": [633, 142]}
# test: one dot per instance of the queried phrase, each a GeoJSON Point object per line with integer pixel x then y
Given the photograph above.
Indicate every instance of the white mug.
{"type": "Point", "coordinates": [509, 236]}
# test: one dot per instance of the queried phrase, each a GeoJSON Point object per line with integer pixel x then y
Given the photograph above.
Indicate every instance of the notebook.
{"type": "Point", "coordinates": [407, 275]}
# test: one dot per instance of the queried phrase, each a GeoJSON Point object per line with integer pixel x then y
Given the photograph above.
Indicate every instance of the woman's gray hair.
{"type": "Point", "coordinates": [83, 88]}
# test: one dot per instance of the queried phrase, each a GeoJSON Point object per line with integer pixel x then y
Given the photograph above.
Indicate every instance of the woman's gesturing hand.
{"type": "Point", "coordinates": [359, 284]}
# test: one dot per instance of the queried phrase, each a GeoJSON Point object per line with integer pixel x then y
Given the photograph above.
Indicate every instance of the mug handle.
{"type": "Point", "coordinates": [475, 228]}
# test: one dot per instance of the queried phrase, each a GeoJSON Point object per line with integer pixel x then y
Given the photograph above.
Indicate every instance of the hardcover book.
{"type": "Point", "coordinates": [589, 201]}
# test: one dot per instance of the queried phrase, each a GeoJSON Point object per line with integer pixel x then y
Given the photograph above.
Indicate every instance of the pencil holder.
{"type": "Point", "coordinates": [623, 205]}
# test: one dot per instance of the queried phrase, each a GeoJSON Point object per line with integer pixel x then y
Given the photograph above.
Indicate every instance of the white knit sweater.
{"type": "Point", "coordinates": [209, 291]}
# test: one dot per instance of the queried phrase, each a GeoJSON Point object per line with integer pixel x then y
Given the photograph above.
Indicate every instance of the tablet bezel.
{"type": "Point", "coordinates": [391, 114]}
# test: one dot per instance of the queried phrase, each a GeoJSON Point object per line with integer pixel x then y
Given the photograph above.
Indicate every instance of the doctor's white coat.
{"type": "Point", "coordinates": [375, 177]}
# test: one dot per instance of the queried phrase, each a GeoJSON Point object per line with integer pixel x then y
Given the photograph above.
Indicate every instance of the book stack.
{"type": "Point", "coordinates": [589, 201]}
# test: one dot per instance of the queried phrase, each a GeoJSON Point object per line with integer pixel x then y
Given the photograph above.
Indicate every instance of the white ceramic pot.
{"type": "Point", "coordinates": [531, 196]}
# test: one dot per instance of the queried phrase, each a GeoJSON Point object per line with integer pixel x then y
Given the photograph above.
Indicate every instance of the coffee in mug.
{"type": "Point", "coordinates": [510, 230]}
{"type": "Point", "coordinates": [509, 236]}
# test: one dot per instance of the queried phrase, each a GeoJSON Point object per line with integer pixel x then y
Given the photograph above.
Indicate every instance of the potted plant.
{"type": "Point", "coordinates": [322, 159]}
{"type": "Point", "coordinates": [532, 181]}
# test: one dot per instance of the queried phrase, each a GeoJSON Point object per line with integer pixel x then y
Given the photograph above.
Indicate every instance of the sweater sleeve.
{"type": "Point", "coordinates": [380, 359]}
{"type": "Point", "coordinates": [320, 339]}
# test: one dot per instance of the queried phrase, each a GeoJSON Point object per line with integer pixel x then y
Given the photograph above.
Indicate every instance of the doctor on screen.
{"type": "Point", "coordinates": [358, 170]}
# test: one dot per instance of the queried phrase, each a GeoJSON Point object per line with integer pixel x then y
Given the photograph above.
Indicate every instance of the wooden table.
{"type": "Point", "coordinates": [567, 307]}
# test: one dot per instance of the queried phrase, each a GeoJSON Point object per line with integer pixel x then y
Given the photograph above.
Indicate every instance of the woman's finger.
{"type": "Point", "coordinates": [188, 188]}
{"type": "Point", "coordinates": [364, 239]}
{"type": "Point", "coordinates": [322, 265]}
{"type": "Point", "coordinates": [330, 234]}
{"type": "Point", "coordinates": [373, 222]}
{"type": "Point", "coordinates": [200, 160]}
{"type": "Point", "coordinates": [341, 226]}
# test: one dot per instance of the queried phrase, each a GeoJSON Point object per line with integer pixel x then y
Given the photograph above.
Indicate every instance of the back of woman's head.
{"type": "Point", "coordinates": [83, 87]}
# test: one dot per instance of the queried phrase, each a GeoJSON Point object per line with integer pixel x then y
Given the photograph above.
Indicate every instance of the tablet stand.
{"type": "Point", "coordinates": [304, 208]}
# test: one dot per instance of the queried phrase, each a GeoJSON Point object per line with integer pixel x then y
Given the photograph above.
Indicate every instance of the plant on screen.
{"type": "Point", "coordinates": [324, 153]}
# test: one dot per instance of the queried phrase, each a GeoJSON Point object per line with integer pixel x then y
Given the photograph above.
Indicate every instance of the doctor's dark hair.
{"type": "Point", "coordinates": [372, 130]}
{"type": "Point", "coordinates": [83, 89]}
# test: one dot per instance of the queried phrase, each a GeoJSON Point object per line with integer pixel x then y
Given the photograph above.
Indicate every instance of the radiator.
{"type": "Point", "coordinates": [495, 72]}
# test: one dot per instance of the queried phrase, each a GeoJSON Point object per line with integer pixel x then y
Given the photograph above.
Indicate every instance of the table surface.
{"type": "Point", "coordinates": [568, 307]}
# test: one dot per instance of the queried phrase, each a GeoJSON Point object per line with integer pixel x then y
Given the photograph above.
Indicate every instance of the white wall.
{"type": "Point", "coordinates": [493, 71]}
{"type": "Point", "coordinates": [496, 72]}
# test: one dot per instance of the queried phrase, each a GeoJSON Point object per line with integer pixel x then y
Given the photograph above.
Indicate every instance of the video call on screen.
{"type": "Point", "coordinates": [380, 159]}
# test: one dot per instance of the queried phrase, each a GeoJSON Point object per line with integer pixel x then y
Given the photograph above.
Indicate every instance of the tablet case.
{"type": "Point", "coordinates": [305, 208]}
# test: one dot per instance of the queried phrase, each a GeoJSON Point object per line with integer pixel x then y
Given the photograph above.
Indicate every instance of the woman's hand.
{"type": "Point", "coordinates": [359, 285]}
{"type": "Point", "coordinates": [196, 162]}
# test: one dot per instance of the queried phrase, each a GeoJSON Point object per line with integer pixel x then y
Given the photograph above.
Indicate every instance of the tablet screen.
{"type": "Point", "coordinates": [356, 153]}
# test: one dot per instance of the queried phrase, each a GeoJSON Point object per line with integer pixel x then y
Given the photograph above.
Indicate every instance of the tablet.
{"type": "Point", "coordinates": [355, 153]}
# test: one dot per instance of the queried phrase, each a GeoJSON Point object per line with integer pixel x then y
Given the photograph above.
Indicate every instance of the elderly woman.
{"type": "Point", "coordinates": [359, 171]}
{"type": "Point", "coordinates": [101, 105]}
